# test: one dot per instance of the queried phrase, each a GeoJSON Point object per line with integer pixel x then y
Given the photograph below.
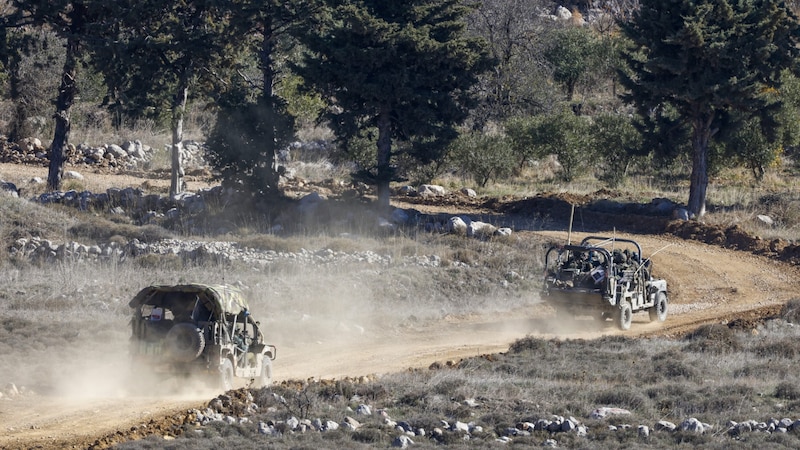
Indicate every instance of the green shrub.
{"type": "Point", "coordinates": [484, 158]}
{"type": "Point", "coordinates": [613, 140]}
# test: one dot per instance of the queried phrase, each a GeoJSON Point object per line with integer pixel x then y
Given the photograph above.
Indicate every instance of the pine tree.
{"type": "Point", "coordinates": [402, 67]}
{"type": "Point", "coordinates": [706, 59]}
{"type": "Point", "coordinates": [253, 121]}
{"type": "Point", "coordinates": [71, 20]}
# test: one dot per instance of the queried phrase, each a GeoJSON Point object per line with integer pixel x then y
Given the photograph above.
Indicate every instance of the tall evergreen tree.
{"type": "Point", "coordinates": [253, 121]}
{"type": "Point", "coordinates": [71, 20]}
{"type": "Point", "coordinates": [705, 59]}
{"type": "Point", "coordinates": [403, 67]}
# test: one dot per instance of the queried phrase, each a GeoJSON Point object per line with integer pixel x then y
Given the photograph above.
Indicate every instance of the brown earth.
{"type": "Point", "coordinates": [714, 275]}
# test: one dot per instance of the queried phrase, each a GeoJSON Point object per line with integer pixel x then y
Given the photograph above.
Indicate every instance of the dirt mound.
{"type": "Point", "coordinates": [734, 237]}
{"type": "Point", "coordinates": [589, 214]}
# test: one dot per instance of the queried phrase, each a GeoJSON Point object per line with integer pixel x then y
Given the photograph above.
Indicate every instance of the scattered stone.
{"type": "Point", "coordinates": [471, 403]}
{"type": "Point", "coordinates": [9, 189]}
{"type": "Point", "coordinates": [402, 441]}
{"type": "Point", "coordinates": [681, 214]}
{"type": "Point", "coordinates": [663, 425]}
{"type": "Point", "coordinates": [694, 425]}
{"type": "Point", "coordinates": [480, 229]}
{"type": "Point", "coordinates": [767, 220]}
{"type": "Point", "coordinates": [604, 411]}
{"type": "Point", "coordinates": [504, 232]}
{"type": "Point", "coordinates": [469, 192]}
{"type": "Point", "coordinates": [461, 427]}
{"type": "Point", "coordinates": [457, 225]}
{"type": "Point", "coordinates": [432, 190]}
{"type": "Point", "coordinates": [408, 190]}
{"type": "Point", "coordinates": [72, 175]}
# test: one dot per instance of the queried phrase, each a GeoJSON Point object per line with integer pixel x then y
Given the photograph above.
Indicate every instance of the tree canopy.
{"type": "Point", "coordinates": [405, 68]}
{"type": "Point", "coordinates": [705, 60]}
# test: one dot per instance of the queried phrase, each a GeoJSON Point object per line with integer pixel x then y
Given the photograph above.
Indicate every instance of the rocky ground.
{"type": "Point", "coordinates": [715, 274]}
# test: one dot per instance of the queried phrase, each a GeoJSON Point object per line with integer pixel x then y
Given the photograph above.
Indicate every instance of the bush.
{"type": "Point", "coordinates": [484, 158]}
{"type": "Point", "coordinates": [787, 390]}
{"type": "Point", "coordinates": [791, 311]}
{"type": "Point", "coordinates": [613, 139]}
{"type": "Point", "coordinates": [714, 338]}
{"type": "Point", "coordinates": [529, 344]}
{"type": "Point", "coordinates": [371, 435]}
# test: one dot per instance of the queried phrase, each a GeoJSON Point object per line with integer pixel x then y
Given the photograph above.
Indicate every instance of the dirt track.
{"type": "Point", "coordinates": [707, 284]}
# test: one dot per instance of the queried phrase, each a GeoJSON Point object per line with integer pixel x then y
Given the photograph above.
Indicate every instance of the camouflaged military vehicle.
{"type": "Point", "coordinates": [605, 278]}
{"type": "Point", "coordinates": [196, 329]}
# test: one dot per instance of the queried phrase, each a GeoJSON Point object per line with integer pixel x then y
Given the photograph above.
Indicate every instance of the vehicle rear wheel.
{"type": "Point", "coordinates": [226, 375]}
{"type": "Point", "coordinates": [659, 310]}
{"type": "Point", "coordinates": [624, 316]}
{"type": "Point", "coordinates": [265, 379]}
{"type": "Point", "coordinates": [184, 342]}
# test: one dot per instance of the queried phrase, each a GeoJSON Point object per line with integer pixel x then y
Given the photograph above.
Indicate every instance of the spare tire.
{"type": "Point", "coordinates": [184, 342]}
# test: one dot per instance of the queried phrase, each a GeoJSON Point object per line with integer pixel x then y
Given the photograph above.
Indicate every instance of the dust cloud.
{"type": "Point", "coordinates": [108, 373]}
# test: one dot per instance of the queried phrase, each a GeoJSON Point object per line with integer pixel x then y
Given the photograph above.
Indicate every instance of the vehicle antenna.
{"type": "Point", "coordinates": [651, 255]}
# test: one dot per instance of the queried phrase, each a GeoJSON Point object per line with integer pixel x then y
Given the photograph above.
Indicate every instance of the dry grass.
{"type": "Point", "coordinates": [536, 379]}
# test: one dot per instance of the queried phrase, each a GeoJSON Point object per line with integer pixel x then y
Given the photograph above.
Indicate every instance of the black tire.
{"type": "Point", "coordinates": [659, 310]}
{"type": "Point", "coordinates": [624, 316]}
{"type": "Point", "coordinates": [265, 379]}
{"type": "Point", "coordinates": [184, 342]}
{"type": "Point", "coordinates": [226, 375]}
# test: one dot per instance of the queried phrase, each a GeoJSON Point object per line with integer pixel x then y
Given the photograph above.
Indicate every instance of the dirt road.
{"type": "Point", "coordinates": [707, 284]}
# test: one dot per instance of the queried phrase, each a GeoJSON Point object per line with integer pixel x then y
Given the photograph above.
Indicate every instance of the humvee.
{"type": "Point", "coordinates": [197, 329]}
{"type": "Point", "coordinates": [605, 278]}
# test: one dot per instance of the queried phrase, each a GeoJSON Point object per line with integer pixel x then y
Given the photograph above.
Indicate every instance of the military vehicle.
{"type": "Point", "coordinates": [196, 329]}
{"type": "Point", "coordinates": [603, 277]}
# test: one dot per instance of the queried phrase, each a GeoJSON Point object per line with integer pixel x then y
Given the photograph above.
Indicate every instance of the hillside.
{"type": "Point", "coordinates": [334, 325]}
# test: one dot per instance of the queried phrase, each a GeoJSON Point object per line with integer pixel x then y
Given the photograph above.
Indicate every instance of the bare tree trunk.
{"type": "Point", "coordinates": [66, 97]}
{"type": "Point", "coordinates": [384, 159]}
{"type": "Point", "coordinates": [701, 135]}
{"type": "Point", "coordinates": [178, 112]}
{"type": "Point", "coordinates": [269, 170]}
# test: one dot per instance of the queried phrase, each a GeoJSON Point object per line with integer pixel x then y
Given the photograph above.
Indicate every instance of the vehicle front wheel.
{"type": "Point", "coordinates": [659, 310]}
{"type": "Point", "coordinates": [226, 375]}
{"type": "Point", "coordinates": [624, 316]}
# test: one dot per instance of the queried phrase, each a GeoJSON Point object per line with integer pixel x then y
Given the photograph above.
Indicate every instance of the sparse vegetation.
{"type": "Point", "coordinates": [539, 378]}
